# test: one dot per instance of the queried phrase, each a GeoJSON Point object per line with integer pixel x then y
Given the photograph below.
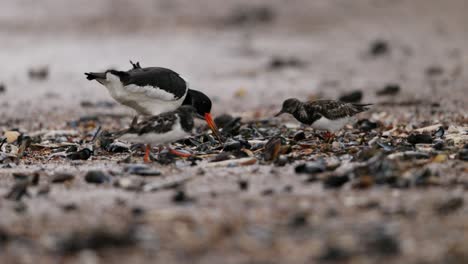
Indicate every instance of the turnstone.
{"type": "Point", "coordinates": [154, 90]}
{"type": "Point", "coordinates": [160, 129]}
{"type": "Point", "coordinates": [326, 115]}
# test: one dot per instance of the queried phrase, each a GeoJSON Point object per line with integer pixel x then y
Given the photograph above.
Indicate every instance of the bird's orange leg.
{"type": "Point", "coordinates": [179, 153]}
{"type": "Point", "coordinates": [329, 137]}
{"type": "Point", "coordinates": [147, 159]}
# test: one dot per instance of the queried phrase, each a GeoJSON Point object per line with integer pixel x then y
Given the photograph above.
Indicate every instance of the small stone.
{"type": "Point", "coordinates": [129, 184]}
{"type": "Point", "coordinates": [366, 125]}
{"type": "Point", "coordinates": [463, 154]}
{"type": "Point", "coordinates": [243, 185]}
{"type": "Point", "coordinates": [334, 254]}
{"type": "Point", "coordinates": [351, 97]}
{"type": "Point", "coordinates": [11, 136]}
{"type": "Point", "coordinates": [298, 220]}
{"type": "Point", "coordinates": [62, 177]}
{"type": "Point", "coordinates": [2, 88]}
{"type": "Point", "coordinates": [389, 89]}
{"type": "Point", "coordinates": [232, 145]}
{"type": "Point", "coordinates": [272, 149]}
{"type": "Point", "coordinates": [222, 120]}
{"type": "Point", "coordinates": [310, 168]}
{"type": "Point", "coordinates": [380, 242]}
{"type": "Point", "coordinates": [379, 47]}
{"type": "Point", "coordinates": [19, 189]}
{"type": "Point", "coordinates": [440, 158]}
{"type": "Point", "coordinates": [181, 197]}
{"type": "Point", "coordinates": [118, 147]}
{"type": "Point", "coordinates": [419, 139]}
{"type": "Point", "coordinates": [39, 73]}
{"type": "Point", "coordinates": [83, 154]}
{"type": "Point", "coordinates": [141, 170]}
{"type": "Point", "coordinates": [267, 192]}
{"type": "Point", "coordinates": [440, 132]}
{"type": "Point", "coordinates": [439, 145]}
{"type": "Point", "coordinates": [449, 206]}
{"type": "Point", "coordinates": [335, 181]}
{"type": "Point", "coordinates": [298, 136]}
{"type": "Point", "coordinates": [97, 177]}
{"type": "Point", "coordinates": [70, 207]}
{"type": "Point", "coordinates": [281, 161]}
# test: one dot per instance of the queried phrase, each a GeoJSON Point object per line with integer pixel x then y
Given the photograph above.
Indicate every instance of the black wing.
{"type": "Point", "coordinates": [335, 109]}
{"type": "Point", "coordinates": [161, 78]}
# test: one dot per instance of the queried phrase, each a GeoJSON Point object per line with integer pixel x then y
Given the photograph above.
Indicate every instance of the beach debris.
{"type": "Point", "coordinates": [39, 73]}
{"type": "Point", "coordinates": [351, 97]}
{"type": "Point", "coordinates": [61, 177]}
{"type": "Point", "coordinates": [97, 177]}
{"type": "Point", "coordinates": [389, 90]}
{"type": "Point", "coordinates": [379, 47]}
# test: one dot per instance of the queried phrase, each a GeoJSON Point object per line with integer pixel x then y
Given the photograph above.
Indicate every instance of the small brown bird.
{"type": "Point", "coordinates": [329, 115]}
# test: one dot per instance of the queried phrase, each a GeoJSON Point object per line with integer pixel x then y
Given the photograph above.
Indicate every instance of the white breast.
{"type": "Point", "coordinates": [330, 125]}
{"type": "Point", "coordinates": [146, 100]}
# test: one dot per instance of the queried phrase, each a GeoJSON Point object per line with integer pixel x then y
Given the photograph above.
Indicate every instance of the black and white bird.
{"type": "Point", "coordinates": [160, 129]}
{"type": "Point", "coordinates": [328, 115]}
{"type": "Point", "coordinates": [154, 90]}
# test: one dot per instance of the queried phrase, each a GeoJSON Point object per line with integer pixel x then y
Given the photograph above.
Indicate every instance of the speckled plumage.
{"type": "Point", "coordinates": [324, 114]}
{"type": "Point", "coordinates": [161, 129]}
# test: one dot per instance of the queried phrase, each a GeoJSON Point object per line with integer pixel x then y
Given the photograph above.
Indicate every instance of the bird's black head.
{"type": "Point", "coordinates": [202, 105]}
{"type": "Point", "coordinates": [199, 101]}
{"type": "Point", "coordinates": [289, 106]}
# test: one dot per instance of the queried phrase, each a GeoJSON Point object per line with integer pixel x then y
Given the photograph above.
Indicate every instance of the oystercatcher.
{"type": "Point", "coordinates": [154, 90]}
{"type": "Point", "coordinates": [160, 129]}
{"type": "Point", "coordinates": [326, 115]}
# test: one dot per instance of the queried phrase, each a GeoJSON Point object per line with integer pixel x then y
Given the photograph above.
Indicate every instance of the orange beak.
{"type": "Point", "coordinates": [212, 126]}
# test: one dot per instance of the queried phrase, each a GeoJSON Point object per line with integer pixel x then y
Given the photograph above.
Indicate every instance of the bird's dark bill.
{"type": "Point", "coordinates": [279, 113]}
{"type": "Point", "coordinates": [212, 125]}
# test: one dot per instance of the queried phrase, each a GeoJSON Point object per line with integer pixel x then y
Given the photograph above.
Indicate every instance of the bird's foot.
{"type": "Point", "coordinates": [178, 153]}
{"type": "Point", "coordinates": [147, 158]}
{"type": "Point", "coordinates": [329, 137]}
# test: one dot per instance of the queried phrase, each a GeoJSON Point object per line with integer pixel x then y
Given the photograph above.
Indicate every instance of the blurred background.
{"type": "Point", "coordinates": [246, 55]}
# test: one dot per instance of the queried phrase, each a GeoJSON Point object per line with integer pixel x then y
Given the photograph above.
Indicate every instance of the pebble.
{"type": "Point", "coordinates": [310, 168]}
{"type": "Point", "coordinates": [351, 97]}
{"type": "Point", "coordinates": [335, 181]}
{"type": "Point", "coordinates": [83, 154]}
{"type": "Point", "coordinates": [2, 88]}
{"type": "Point", "coordinates": [366, 125]}
{"type": "Point", "coordinates": [129, 184]}
{"type": "Point", "coordinates": [243, 185]}
{"type": "Point", "coordinates": [439, 145]}
{"type": "Point", "coordinates": [379, 47]}
{"type": "Point", "coordinates": [389, 89]}
{"type": "Point", "coordinates": [19, 189]}
{"type": "Point", "coordinates": [11, 136]}
{"type": "Point", "coordinates": [380, 242]}
{"type": "Point", "coordinates": [419, 139]}
{"type": "Point", "coordinates": [272, 149]}
{"type": "Point", "coordinates": [449, 205]}
{"type": "Point", "coordinates": [62, 177]}
{"type": "Point", "coordinates": [463, 154]}
{"type": "Point", "coordinates": [298, 136]}
{"type": "Point", "coordinates": [181, 197]}
{"type": "Point", "coordinates": [97, 177]}
{"type": "Point", "coordinates": [141, 170]}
